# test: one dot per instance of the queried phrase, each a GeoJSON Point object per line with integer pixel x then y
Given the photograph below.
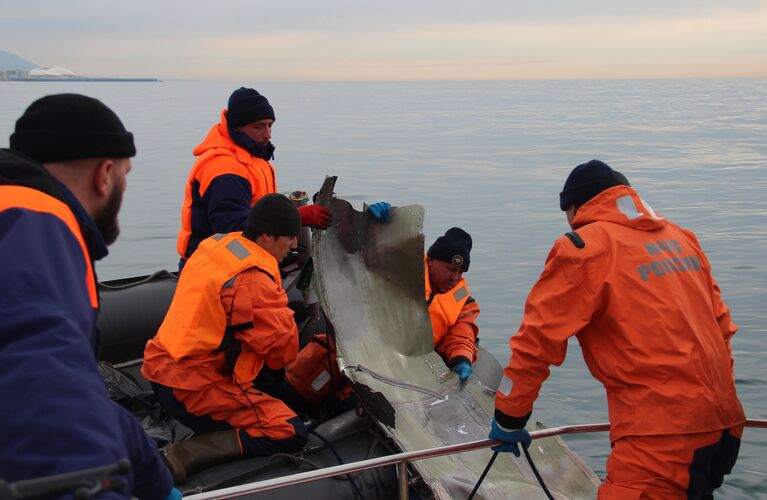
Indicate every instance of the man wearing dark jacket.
{"type": "Point", "coordinates": [232, 171]}
{"type": "Point", "coordinates": [61, 185]}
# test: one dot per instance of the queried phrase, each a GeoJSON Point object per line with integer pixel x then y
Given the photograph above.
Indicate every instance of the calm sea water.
{"type": "Point", "coordinates": [490, 157]}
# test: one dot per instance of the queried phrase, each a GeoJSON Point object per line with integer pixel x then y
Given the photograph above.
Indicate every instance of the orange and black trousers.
{"type": "Point", "coordinates": [265, 424]}
{"type": "Point", "coordinates": [685, 466]}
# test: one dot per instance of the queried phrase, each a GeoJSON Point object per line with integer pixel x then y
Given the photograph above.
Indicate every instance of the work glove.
{"type": "Point", "coordinates": [463, 369]}
{"type": "Point", "coordinates": [174, 494]}
{"type": "Point", "coordinates": [381, 212]}
{"type": "Point", "coordinates": [511, 438]}
{"type": "Point", "coordinates": [315, 216]}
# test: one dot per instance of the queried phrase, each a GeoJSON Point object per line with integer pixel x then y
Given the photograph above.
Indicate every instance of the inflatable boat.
{"type": "Point", "coordinates": [132, 310]}
{"type": "Point", "coordinates": [367, 287]}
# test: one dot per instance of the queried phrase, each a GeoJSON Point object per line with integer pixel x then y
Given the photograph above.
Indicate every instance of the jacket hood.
{"type": "Point", "coordinates": [17, 168]}
{"type": "Point", "coordinates": [218, 138]}
{"type": "Point", "coordinates": [222, 140]}
{"type": "Point", "coordinates": [620, 205]}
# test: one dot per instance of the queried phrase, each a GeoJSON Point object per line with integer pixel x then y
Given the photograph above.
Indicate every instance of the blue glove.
{"type": "Point", "coordinates": [174, 495]}
{"type": "Point", "coordinates": [381, 212]}
{"type": "Point", "coordinates": [510, 438]}
{"type": "Point", "coordinates": [463, 369]}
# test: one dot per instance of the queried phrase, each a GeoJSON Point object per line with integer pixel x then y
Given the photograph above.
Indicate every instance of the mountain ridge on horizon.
{"type": "Point", "coordinates": [10, 61]}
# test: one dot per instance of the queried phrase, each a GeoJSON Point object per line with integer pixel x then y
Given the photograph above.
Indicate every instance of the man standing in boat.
{"type": "Point", "coordinates": [233, 171]}
{"type": "Point", "coordinates": [61, 184]}
{"type": "Point", "coordinates": [228, 329]}
{"type": "Point", "coordinates": [638, 293]}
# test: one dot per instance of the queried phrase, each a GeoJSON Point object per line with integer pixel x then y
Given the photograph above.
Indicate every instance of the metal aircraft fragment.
{"type": "Point", "coordinates": [369, 278]}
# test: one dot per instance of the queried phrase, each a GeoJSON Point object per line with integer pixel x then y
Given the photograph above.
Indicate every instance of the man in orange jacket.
{"type": "Point", "coordinates": [452, 310]}
{"type": "Point", "coordinates": [233, 171]}
{"type": "Point", "coordinates": [226, 338]}
{"type": "Point", "coordinates": [637, 292]}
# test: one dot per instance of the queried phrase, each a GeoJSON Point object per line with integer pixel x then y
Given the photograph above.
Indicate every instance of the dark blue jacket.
{"type": "Point", "coordinates": [57, 416]}
{"type": "Point", "coordinates": [223, 208]}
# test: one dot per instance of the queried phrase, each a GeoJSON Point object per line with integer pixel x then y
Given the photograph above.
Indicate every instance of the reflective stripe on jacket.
{"type": "Point", "coordinates": [452, 317]}
{"type": "Point", "coordinates": [218, 155]}
{"type": "Point", "coordinates": [213, 296]}
{"type": "Point", "coordinates": [37, 201]}
{"type": "Point", "coordinates": [648, 314]}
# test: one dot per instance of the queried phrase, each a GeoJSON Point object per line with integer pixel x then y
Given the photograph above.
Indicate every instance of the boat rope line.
{"type": "Point", "coordinates": [482, 476]}
{"type": "Point", "coordinates": [156, 275]}
{"type": "Point", "coordinates": [394, 382]}
{"type": "Point", "coordinates": [532, 467]}
{"type": "Point", "coordinates": [537, 474]}
{"type": "Point", "coordinates": [355, 489]}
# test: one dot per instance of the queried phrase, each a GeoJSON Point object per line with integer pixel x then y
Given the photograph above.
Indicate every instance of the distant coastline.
{"type": "Point", "coordinates": [78, 79]}
{"type": "Point", "coordinates": [58, 74]}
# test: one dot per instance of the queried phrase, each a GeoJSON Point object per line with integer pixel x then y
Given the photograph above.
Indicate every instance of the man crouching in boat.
{"type": "Point", "coordinates": [61, 185]}
{"type": "Point", "coordinates": [638, 293]}
{"type": "Point", "coordinates": [228, 323]}
{"type": "Point", "coordinates": [452, 310]}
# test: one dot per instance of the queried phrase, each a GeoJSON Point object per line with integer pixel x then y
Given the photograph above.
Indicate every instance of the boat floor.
{"type": "Point", "coordinates": [353, 437]}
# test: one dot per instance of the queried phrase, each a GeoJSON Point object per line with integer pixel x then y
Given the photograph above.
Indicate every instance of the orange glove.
{"type": "Point", "coordinates": [315, 216]}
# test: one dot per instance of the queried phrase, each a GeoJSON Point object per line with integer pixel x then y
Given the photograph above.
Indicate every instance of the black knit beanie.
{"type": "Point", "coordinates": [273, 214]}
{"type": "Point", "coordinates": [64, 127]}
{"type": "Point", "coordinates": [247, 106]}
{"type": "Point", "coordinates": [588, 180]}
{"type": "Point", "coordinates": [453, 247]}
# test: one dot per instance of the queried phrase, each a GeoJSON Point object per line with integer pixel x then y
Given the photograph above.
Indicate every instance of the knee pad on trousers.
{"type": "Point", "coordinates": [264, 446]}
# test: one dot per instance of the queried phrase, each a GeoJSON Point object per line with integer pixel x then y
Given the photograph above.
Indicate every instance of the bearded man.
{"type": "Point", "coordinates": [61, 185]}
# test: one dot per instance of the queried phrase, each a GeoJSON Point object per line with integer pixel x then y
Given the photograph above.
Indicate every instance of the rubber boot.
{"type": "Point", "coordinates": [199, 452]}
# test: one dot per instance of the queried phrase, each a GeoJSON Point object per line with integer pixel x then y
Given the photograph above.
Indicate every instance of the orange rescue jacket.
{"type": "Point", "coordinates": [641, 300]}
{"type": "Point", "coordinates": [230, 286]}
{"type": "Point", "coordinates": [315, 373]}
{"type": "Point", "coordinates": [452, 317]}
{"type": "Point", "coordinates": [219, 155]}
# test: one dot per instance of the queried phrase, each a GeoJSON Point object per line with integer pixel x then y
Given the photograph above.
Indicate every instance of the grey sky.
{"type": "Point", "coordinates": [395, 39]}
